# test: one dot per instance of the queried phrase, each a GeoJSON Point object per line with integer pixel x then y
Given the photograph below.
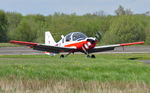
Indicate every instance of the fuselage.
{"type": "Point", "coordinates": [77, 40]}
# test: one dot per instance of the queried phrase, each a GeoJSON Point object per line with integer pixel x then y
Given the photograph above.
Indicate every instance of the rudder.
{"type": "Point", "coordinates": [49, 40]}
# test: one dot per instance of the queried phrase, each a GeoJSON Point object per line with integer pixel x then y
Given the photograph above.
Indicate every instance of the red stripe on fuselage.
{"type": "Point", "coordinates": [79, 45]}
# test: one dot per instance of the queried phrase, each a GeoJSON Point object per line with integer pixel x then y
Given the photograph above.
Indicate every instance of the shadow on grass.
{"type": "Point", "coordinates": [139, 59]}
{"type": "Point", "coordinates": [134, 58]}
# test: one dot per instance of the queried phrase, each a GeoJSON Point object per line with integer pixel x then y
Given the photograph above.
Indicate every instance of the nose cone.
{"type": "Point", "coordinates": [92, 40]}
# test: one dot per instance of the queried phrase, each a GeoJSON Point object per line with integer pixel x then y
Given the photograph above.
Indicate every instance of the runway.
{"type": "Point", "coordinates": [30, 51]}
{"type": "Point", "coordinates": [19, 51]}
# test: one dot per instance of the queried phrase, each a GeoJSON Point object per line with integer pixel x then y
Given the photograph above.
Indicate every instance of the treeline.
{"type": "Point", "coordinates": [123, 27]}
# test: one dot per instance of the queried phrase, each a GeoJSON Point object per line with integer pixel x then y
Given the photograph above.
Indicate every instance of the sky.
{"type": "Point", "coordinates": [80, 7]}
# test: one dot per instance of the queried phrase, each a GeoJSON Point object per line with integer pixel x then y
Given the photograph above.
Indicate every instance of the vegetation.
{"type": "Point", "coordinates": [125, 26]}
{"type": "Point", "coordinates": [107, 73]}
{"type": "Point", "coordinates": [3, 27]}
{"type": "Point", "coordinates": [125, 29]}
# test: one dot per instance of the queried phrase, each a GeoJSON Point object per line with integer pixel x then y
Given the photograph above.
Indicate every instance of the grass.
{"type": "Point", "coordinates": [115, 73]}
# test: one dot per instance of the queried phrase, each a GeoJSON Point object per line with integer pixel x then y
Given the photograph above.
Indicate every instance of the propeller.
{"type": "Point", "coordinates": [98, 36]}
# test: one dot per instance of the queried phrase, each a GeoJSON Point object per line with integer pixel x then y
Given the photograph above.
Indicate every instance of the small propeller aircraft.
{"type": "Point", "coordinates": [73, 42]}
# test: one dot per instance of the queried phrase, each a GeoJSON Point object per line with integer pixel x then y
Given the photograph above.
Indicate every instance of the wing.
{"type": "Point", "coordinates": [42, 47]}
{"type": "Point", "coordinates": [111, 47]}
{"type": "Point", "coordinates": [53, 49]}
{"type": "Point", "coordinates": [23, 43]}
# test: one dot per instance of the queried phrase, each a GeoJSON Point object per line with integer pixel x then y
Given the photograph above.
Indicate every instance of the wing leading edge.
{"type": "Point", "coordinates": [53, 49]}
{"type": "Point", "coordinates": [42, 47]}
{"type": "Point", "coordinates": [111, 47]}
{"type": "Point", "coordinates": [23, 43]}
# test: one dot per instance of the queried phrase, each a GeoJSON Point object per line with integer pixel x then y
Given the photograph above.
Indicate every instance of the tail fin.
{"type": "Point", "coordinates": [49, 40]}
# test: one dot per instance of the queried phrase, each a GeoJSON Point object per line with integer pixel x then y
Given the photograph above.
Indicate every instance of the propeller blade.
{"type": "Point", "coordinates": [98, 36]}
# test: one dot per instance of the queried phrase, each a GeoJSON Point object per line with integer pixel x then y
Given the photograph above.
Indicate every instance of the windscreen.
{"type": "Point", "coordinates": [68, 37]}
{"type": "Point", "coordinates": [78, 36]}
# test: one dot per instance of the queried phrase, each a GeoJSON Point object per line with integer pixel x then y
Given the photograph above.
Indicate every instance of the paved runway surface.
{"type": "Point", "coordinates": [19, 51]}
{"type": "Point", "coordinates": [30, 51]}
{"type": "Point", "coordinates": [145, 61]}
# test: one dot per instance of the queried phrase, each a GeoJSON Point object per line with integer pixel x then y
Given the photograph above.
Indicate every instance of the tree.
{"type": "Point", "coordinates": [147, 34]}
{"type": "Point", "coordinates": [100, 13]}
{"type": "Point", "coordinates": [26, 31]}
{"type": "Point", "coordinates": [125, 29]}
{"type": "Point", "coordinates": [128, 12]}
{"type": "Point", "coordinates": [3, 27]}
{"type": "Point", "coordinates": [13, 19]}
{"type": "Point", "coordinates": [120, 11]}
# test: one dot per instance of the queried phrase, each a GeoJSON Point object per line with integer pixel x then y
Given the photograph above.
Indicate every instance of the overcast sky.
{"type": "Point", "coordinates": [79, 7]}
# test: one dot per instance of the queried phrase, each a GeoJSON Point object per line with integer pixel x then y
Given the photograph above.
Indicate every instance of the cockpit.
{"type": "Point", "coordinates": [75, 36]}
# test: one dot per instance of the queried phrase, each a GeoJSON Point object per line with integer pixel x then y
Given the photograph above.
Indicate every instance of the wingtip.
{"type": "Point", "coordinates": [11, 41]}
{"type": "Point", "coordinates": [134, 43]}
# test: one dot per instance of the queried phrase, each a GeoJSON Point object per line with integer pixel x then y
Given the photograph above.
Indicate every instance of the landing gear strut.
{"type": "Point", "coordinates": [87, 54]}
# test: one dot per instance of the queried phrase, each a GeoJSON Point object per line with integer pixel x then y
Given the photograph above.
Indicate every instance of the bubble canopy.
{"type": "Point", "coordinates": [75, 36]}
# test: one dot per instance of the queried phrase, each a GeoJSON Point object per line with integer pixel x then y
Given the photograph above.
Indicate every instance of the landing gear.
{"type": "Point", "coordinates": [87, 54]}
{"type": "Point", "coordinates": [93, 56]}
{"type": "Point", "coordinates": [62, 56]}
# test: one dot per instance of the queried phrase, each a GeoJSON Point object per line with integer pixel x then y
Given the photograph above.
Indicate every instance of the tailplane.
{"type": "Point", "coordinates": [49, 40]}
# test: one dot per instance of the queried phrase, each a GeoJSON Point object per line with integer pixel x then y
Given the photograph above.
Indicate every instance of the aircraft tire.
{"type": "Point", "coordinates": [62, 56]}
{"type": "Point", "coordinates": [93, 56]}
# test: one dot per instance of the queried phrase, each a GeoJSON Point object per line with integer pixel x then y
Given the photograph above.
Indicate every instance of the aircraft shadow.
{"type": "Point", "coordinates": [134, 58]}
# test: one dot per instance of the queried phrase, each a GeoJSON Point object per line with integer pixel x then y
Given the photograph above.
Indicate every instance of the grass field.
{"type": "Point", "coordinates": [108, 73]}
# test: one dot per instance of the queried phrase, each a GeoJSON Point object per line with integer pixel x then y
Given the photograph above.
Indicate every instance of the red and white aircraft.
{"type": "Point", "coordinates": [73, 42]}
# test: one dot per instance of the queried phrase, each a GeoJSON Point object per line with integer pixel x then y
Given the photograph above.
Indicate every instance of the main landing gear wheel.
{"type": "Point", "coordinates": [93, 56]}
{"type": "Point", "coordinates": [62, 56]}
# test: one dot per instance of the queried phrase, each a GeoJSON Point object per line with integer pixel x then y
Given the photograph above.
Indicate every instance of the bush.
{"type": "Point", "coordinates": [124, 29]}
